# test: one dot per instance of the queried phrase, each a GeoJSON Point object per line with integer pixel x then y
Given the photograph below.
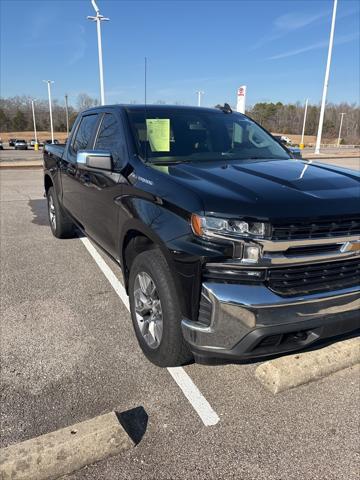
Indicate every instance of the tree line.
{"type": "Point", "coordinates": [16, 115]}
{"type": "Point", "coordinates": [288, 118]}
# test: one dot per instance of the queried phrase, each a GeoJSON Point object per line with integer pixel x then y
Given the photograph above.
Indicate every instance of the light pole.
{"type": "Point", "coordinates": [326, 80]}
{"type": "Point", "coordinates": [98, 19]}
{"type": "Point", "coordinates": [199, 93]}
{"type": "Point", "coordinates": [67, 115]}
{"type": "Point", "coordinates": [49, 82]}
{"type": "Point", "coordinates": [341, 122]}
{"type": "Point", "coordinates": [36, 146]}
{"type": "Point", "coordinates": [304, 123]}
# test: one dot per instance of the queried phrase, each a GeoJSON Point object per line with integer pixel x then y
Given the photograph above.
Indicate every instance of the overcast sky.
{"type": "Point", "coordinates": [277, 48]}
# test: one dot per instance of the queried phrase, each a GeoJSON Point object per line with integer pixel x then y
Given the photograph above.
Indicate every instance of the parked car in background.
{"type": "Point", "coordinates": [1, 145]}
{"type": "Point", "coordinates": [296, 152]}
{"type": "Point", "coordinates": [33, 141]}
{"type": "Point", "coordinates": [284, 140]}
{"type": "Point", "coordinates": [12, 142]}
{"type": "Point", "coordinates": [21, 145]}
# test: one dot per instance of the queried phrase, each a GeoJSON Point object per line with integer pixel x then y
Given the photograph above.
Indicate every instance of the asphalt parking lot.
{"type": "Point", "coordinates": [68, 353]}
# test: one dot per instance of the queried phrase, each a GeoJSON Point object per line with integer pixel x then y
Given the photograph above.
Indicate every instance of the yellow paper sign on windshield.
{"type": "Point", "coordinates": [158, 134]}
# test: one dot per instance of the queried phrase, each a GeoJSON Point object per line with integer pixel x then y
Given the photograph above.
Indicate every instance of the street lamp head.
{"type": "Point", "coordinates": [98, 17]}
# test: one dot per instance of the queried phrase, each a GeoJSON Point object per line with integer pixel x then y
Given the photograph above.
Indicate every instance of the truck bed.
{"type": "Point", "coordinates": [56, 150]}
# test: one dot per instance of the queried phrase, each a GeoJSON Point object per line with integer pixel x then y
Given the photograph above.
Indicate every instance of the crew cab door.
{"type": "Point", "coordinates": [72, 188]}
{"type": "Point", "coordinates": [100, 188]}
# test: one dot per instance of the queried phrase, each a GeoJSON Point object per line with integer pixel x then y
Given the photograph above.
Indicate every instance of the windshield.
{"type": "Point", "coordinates": [167, 135]}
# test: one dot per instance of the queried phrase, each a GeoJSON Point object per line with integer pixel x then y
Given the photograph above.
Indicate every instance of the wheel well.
{"type": "Point", "coordinates": [47, 183]}
{"type": "Point", "coordinates": [135, 242]}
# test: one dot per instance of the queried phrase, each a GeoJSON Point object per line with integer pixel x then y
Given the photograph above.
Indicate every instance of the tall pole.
{"type": "Point", "coordinates": [49, 82]}
{"type": "Point", "coordinates": [98, 19]}
{"type": "Point", "coordinates": [326, 80]}
{"type": "Point", "coordinates": [341, 122]}
{"type": "Point", "coordinates": [67, 115]}
{"type": "Point", "coordinates": [101, 68]}
{"type": "Point", "coordinates": [33, 114]}
{"type": "Point", "coordinates": [304, 123]}
{"type": "Point", "coordinates": [199, 93]}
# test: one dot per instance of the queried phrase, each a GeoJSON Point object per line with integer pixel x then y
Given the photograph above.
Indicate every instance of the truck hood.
{"type": "Point", "coordinates": [272, 189]}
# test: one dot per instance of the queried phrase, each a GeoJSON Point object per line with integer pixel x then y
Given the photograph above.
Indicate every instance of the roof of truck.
{"type": "Point", "coordinates": [135, 107]}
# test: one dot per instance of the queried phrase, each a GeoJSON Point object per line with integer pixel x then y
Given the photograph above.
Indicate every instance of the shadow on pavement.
{"type": "Point", "coordinates": [134, 421]}
{"type": "Point", "coordinates": [39, 211]}
{"type": "Point", "coordinates": [40, 214]}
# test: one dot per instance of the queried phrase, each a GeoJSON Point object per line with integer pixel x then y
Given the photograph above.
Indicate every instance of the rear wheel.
{"type": "Point", "coordinates": [155, 310]}
{"type": "Point", "coordinates": [60, 223]}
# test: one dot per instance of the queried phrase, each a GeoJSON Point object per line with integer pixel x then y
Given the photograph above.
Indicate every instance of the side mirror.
{"type": "Point", "coordinates": [99, 159]}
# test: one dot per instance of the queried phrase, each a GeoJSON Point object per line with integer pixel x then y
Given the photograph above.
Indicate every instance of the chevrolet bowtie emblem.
{"type": "Point", "coordinates": [351, 246]}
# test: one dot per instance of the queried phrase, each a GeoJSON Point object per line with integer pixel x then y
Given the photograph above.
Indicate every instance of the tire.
{"type": "Point", "coordinates": [60, 223]}
{"type": "Point", "coordinates": [170, 350]}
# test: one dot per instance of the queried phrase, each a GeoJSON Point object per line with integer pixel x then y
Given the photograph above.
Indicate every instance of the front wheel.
{"type": "Point", "coordinates": [155, 310]}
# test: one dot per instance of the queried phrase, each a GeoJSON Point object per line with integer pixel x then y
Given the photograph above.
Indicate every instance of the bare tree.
{"type": "Point", "coordinates": [84, 101]}
{"type": "Point", "coordinates": [16, 115]}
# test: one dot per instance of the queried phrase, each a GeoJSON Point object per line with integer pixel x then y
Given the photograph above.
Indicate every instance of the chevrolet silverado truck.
{"type": "Point", "coordinates": [229, 247]}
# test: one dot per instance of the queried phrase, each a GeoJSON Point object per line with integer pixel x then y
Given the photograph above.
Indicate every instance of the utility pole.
{"type": "Point", "coordinates": [36, 146]}
{"type": "Point", "coordinates": [67, 115]}
{"type": "Point", "coordinates": [199, 93]}
{"type": "Point", "coordinates": [326, 80]}
{"type": "Point", "coordinates": [341, 122]}
{"type": "Point", "coordinates": [304, 123]}
{"type": "Point", "coordinates": [98, 19]}
{"type": "Point", "coordinates": [49, 82]}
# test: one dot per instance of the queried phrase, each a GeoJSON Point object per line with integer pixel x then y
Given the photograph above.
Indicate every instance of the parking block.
{"type": "Point", "coordinates": [64, 451]}
{"type": "Point", "coordinates": [291, 371]}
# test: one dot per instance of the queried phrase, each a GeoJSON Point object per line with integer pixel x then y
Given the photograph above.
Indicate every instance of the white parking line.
{"type": "Point", "coordinates": [192, 393]}
{"type": "Point", "coordinates": [195, 397]}
{"type": "Point", "coordinates": [109, 274]}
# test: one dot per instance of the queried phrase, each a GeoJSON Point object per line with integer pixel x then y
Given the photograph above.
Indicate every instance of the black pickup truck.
{"type": "Point", "coordinates": [229, 247]}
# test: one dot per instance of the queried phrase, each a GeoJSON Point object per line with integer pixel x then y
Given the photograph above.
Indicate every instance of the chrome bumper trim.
{"type": "Point", "coordinates": [281, 245]}
{"type": "Point", "coordinates": [280, 259]}
{"type": "Point", "coordinates": [240, 309]}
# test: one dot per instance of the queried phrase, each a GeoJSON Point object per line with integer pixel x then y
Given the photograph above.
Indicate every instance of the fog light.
{"type": "Point", "coordinates": [251, 253]}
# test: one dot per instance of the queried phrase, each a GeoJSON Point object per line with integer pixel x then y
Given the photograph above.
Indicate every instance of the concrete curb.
{"type": "Point", "coordinates": [15, 164]}
{"type": "Point", "coordinates": [291, 371]}
{"type": "Point", "coordinates": [64, 451]}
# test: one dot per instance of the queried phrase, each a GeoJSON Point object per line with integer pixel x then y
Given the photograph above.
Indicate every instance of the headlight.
{"type": "Point", "coordinates": [213, 226]}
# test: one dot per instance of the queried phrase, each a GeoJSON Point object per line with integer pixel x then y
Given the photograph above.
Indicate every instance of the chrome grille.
{"type": "Point", "coordinates": [339, 227]}
{"type": "Point", "coordinates": [205, 310]}
{"type": "Point", "coordinates": [313, 278]}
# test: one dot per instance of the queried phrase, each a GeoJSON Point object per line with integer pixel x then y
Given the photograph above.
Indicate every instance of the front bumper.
{"type": "Point", "coordinates": [247, 321]}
